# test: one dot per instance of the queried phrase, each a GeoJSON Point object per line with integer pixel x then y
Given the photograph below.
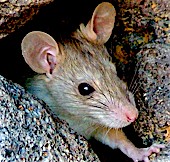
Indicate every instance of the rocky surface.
{"type": "Point", "coordinates": [141, 48]}
{"type": "Point", "coordinates": [152, 92]}
{"type": "Point", "coordinates": [138, 23]}
{"type": "Point", "coordinates": [29, 133]}
{"type": "Point", "coordinates": [14, 13]}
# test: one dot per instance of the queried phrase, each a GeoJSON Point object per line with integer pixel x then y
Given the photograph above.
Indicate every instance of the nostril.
{"type": "Point", "coordinates": [131, 118]}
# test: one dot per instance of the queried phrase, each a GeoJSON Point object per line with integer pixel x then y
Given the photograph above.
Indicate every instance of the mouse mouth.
{"type": "Point", "coordinates": [120, 121]}
{"type": "Point", "coordinates": [113, 122]}
{"type": "Point", "coordinates": [122, 114]}
{"type": "Point", "coordinates": [120, 124]}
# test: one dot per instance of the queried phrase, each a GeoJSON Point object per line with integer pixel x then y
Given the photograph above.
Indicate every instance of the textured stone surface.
{"type": "Point", "coordinates": [142, 31]}
{"type": "Point", "coordinates": [152, 82]}
{"type": "Point", "coordinates": [14, 13]}
{"type": "Point", "coordinates": [138, 23]}
{"type": "Point", "coordinates": [29, 133]}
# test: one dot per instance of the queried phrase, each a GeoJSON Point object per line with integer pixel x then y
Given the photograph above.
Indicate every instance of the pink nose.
{"type": "Point", "coordinates": [131, 117]}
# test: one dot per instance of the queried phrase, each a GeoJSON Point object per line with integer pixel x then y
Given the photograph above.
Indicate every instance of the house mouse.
{"type": "Point", "coordinates": [79, 82]}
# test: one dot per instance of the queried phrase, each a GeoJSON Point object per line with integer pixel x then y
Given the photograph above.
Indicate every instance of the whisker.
{"type": "Point", "coordinates": [84, 116]}
{"type": "Point", "coordinates": [72, 105]}
{"type": "Point", "coordinates": [136, 89]}
{"type": "Point", "coordinates": [100, 90]}
{"type": "Point", "coordinates": [117, 130]}
{"type": "Point", "coordinates": [94, 128]}
{"type": "Point", "coordinates": [111, 98]}
{"type": "Point", "coordinates": [92, 98]}
{"type": "Point", "coordinates": [135, 74]}
{"type": "Point", "coordinates": [98, 101]}
{"type": "Point", "coordinates": [96, 106]}
{"type": "Point", "coordinates": [135, 84]}
{"type": "Point", "coordinates": [90, 110]}
{"type": "Point", "coordinates": [107, 133]}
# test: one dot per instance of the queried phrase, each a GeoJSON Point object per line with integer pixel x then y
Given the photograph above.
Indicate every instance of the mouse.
{"type": "Point", "coordinates": [78, 80]}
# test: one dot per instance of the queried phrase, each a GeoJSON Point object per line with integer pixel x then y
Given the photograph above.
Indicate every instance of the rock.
{"type": "Point", "coordinates": [152, 93]}
{"type": "Point", "coordinates": [28, 132]}
{"type": "Point", "coordinates": [14, 13]}
{"type": "Point", "coordinates": [138, 23]}
{"type": "Point", "coordinates": [141, 48]}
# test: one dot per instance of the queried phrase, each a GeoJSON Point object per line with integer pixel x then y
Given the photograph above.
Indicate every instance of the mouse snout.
{"type": "Point", "coordinates": [131, 116]}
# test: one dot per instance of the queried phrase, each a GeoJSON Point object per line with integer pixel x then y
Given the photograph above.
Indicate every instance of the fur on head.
{"type": "Point", "coordinates": [77, 77]}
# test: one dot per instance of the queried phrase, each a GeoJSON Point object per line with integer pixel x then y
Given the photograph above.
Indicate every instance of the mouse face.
{"type": "Point", "coordinates": [87, 85]}
{"type": "Point", "coordinates": [77, 77]}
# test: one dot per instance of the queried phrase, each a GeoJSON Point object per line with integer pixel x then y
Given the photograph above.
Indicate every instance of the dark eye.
{"type": "Point", "coordinates": [85, 89]}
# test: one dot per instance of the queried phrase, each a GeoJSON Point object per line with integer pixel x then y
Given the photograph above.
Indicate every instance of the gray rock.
{"type": "Point", "coordinates": [153, 96]}
{"type": "Point", "coordinates": [28, 132]}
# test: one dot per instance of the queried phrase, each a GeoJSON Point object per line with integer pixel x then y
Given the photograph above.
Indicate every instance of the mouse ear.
{"type": "Point", "coordinates": [99, 28]}
{"type": "Point", "coordinates": [40, 51]}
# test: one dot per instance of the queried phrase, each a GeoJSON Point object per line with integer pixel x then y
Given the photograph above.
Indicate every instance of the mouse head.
{"type": "Point", "coordinates": [79, 74]}
{"type": "Point", "coordinates": [40, 46]}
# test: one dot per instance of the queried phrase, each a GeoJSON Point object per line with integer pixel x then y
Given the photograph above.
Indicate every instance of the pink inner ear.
{"type": "Point", "coordinates": [103, 25]}
{"type": "Point", "coordinates": [102, 21]}
{"type": "Point", "coordinates": [52, 61]}
{"type": "Point", "coordinates": [40, 51]}
{"type": "Point", "coordinates": [48, 57]}
{"type": "Point", "coordinates": [99, 24]}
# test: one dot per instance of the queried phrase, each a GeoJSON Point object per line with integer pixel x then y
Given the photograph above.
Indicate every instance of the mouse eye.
{"type": "Point", "coordinates": [85, 89]}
